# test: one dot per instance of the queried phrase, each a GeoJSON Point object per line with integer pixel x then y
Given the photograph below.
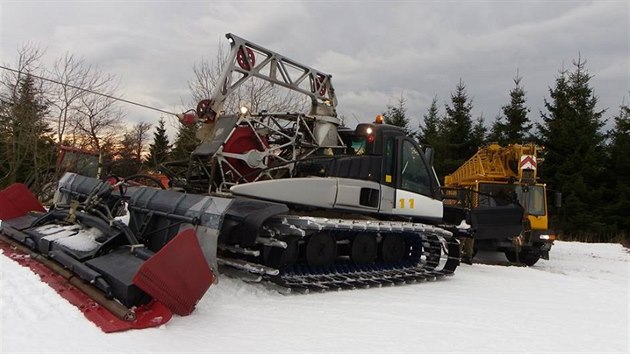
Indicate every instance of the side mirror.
{"type": "Point", "coordinates": [429, 155]}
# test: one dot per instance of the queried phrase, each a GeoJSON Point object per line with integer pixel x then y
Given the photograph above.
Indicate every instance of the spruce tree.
{"type": "Point", "coordinates": [479, 132]}
{"type": "Point", "coordinates": [431, 134]}
{"type": "Point", "coordinates": [185, 142]}
{"type": "Point", "coordinates": [617, 195]}
{"type": "Point", "coordinates": [127, 162]}
{"type": "Point", "coordinates": [496, 133]}
{"type": "Point", "coordinates": [160, 148]}
{"type": "Point", "coordinates": [397, 115]}
{"type": "Point", "coordinates": [458, 131]}
{"type": "Point", "coordinates": [28, 147]}
{"type": "Point", "coordinates": [574, 157]}
{"type": "Point", "coordinates": [514, 126]}
{"type": "Point", "coordinates": [430, 131]}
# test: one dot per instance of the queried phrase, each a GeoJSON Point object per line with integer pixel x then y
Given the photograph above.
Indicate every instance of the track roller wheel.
{"type": "Point", "coordinates": [321, 250]}
{"type": "Point", "coordinates": [364, 249]}
{"type": "Point", "coordinates": [393, 249]}
{"type": "Point", "coordinates": [280, 258]}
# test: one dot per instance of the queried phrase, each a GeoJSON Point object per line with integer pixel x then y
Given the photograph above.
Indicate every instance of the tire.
{"type": "Point", "coordinates": [528, 257]}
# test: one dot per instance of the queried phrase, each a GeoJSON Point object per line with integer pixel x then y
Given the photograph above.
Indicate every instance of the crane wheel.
{"type": "Point", "coordinates": [526, 257]}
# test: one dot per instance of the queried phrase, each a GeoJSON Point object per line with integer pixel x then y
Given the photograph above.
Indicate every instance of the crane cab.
{"type": "Point", "coordinates": [405, 182]}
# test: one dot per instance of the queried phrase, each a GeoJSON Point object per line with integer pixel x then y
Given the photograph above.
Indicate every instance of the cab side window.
{"type": "Point", "coordinates": [389, 162]}
{"type": "Point", "coordinates": [414, 173]}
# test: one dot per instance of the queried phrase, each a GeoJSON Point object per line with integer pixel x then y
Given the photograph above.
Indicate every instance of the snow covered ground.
{"type": "Point", "coordinates": [576, 302]}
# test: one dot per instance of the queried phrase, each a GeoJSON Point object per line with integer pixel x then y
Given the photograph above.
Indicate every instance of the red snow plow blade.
{"type": "Point", "coordinates": [178, 283]}
{"type": "Point", "coordinates": [16, 200]}
{"type": "Point", "coordinates": [172, 279]}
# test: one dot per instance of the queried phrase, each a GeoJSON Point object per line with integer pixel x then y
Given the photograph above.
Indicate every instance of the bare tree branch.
{"type": "Point", "coordinates": [28, 61]}
{"type": "Point", "coordinates": [140, 133]}
{"type": "Point", "coordinates": [65, 100]}
{"type": "Point", "coordinates": [99, 119]}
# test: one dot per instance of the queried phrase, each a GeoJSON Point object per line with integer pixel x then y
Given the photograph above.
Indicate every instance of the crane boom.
{"type": "Point", "coordinates": [248, 60]}
{"type": "Point", "coordinates": [513, 163]}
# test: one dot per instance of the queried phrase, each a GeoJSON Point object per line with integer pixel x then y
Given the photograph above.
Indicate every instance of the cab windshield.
{"type": "Point", "coordinates": [83, 164]}
{"type": "Point", "coordinates": [532, 198]}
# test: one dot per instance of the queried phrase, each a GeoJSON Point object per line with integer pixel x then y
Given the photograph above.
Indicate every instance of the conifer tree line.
{"type": "Point", "coordinates": [589, 165]}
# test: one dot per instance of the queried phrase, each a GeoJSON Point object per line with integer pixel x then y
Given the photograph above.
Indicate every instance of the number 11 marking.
{"type": "Point", "coordinates": [402, 203]}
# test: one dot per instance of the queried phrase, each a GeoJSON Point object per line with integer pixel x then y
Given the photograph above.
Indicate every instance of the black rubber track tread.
{"type": "Point", "coordinates": [347, 276]}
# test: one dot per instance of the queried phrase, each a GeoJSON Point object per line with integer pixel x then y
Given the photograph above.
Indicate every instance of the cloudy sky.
{"type": "Point", "coordinates": [375, 50]}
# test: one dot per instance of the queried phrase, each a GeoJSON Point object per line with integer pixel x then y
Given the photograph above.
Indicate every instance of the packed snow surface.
{"type": "Point", "coordinates": [575, 302]}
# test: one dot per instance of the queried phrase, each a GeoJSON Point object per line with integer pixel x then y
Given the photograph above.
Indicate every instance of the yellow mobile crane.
{"type": "Point", "coordinates": [498, 176]}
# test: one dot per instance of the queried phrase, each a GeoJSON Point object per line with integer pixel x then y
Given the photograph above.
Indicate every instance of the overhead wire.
{"type": "Point", "coordinates": [90, 91]}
